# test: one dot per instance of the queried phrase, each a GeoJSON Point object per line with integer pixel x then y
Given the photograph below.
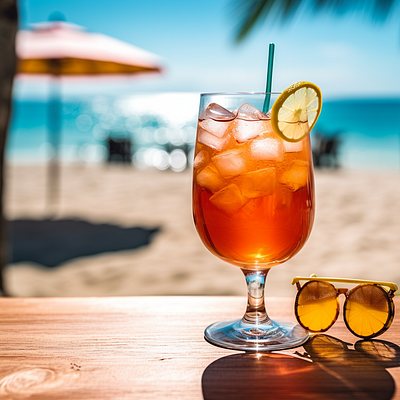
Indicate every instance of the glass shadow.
{"type": "Point", "coordinates": [327, 369]}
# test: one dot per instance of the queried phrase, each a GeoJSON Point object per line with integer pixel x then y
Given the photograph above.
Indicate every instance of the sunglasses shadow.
{"type": "Point", "coordinates": [387, 354]}
{"type": "Point", "coordinates": [328, 369]}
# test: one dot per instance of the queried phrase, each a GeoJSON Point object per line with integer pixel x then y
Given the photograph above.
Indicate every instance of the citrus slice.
{"type": "Point", "coordinates": [317, 306]}
{"type": "Point", "coordinates": [368, 311]}
{"type": "Point", "coordinates": [296, 111]}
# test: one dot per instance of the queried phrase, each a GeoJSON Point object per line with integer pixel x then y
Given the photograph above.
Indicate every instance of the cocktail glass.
{"type": "Point", "coordinates": [253, 207]}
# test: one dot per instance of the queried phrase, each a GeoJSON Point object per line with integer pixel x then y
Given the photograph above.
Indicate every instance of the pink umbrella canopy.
{"type": "Point", "coordinates": [61, 48]}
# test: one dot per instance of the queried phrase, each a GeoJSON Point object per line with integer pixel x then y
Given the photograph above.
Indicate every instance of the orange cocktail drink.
{"type": "Point", "coordinates": [253, 198]}
{"type": "Point", "coordinates": [253, 192]}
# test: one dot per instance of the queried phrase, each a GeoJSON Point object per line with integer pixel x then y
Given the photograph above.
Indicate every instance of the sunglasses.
{"type": "Point", "coordinates": [368, 310]}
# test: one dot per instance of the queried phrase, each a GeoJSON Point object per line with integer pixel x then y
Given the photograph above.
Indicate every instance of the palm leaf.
{"type": "Point", "coordinates": [250, 13]}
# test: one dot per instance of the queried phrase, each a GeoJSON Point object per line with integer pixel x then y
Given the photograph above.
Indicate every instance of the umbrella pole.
{"type": "Point", "coordinates": [54, 133]}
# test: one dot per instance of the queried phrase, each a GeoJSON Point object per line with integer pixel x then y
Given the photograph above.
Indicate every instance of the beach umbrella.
{"type": "Point", "coordinates": [59, 49]}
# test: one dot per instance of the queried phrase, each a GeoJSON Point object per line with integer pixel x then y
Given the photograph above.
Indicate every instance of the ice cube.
{"type": "Point", "coordinates": [230, 163]}
{"type": "Point", "coordinates": [258, 183]}
{"type": "Point", "coordinates": [230, 142]}
{"type": "Point", "coordinates": [201, 160]}
{"type": "Point", "coordinates": [296, 176]}
{"type": "Point", "coordinates": [293, 147]}
{"type": "Point", "coordinates": [217, 113]}
{"type": "Point", "coordinates": [267, 130]}
{"type": "Point", "coordinates": [229, 199]}
{"type": "Point", "coordinates": [210, 140]}
{"type": "Point", "coordinates": [249, 123]}
{"type": "Point", "coordinates": [283, 197]}
{"type": "Point", "coordinates": [210, 179]}
{"type": "Point", "coordinates": [247, 130]}
{"type": "Point", "coordinates": [249, 113]}
{"type": "Point", "coordinates": [217, 128]}
{"type": "Point", "coordinates": [266, 150]}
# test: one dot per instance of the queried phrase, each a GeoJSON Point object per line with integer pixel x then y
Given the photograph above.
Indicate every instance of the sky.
{"type": "Point", "coordinates": [346, 56]}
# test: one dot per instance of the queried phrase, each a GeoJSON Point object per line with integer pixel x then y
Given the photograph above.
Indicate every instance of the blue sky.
{"type": "Point", "coordinates": [346, 56]}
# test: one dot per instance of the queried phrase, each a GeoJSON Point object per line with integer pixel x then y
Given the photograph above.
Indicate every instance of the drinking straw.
{"type": "Point", "coordinates": [267, 100]}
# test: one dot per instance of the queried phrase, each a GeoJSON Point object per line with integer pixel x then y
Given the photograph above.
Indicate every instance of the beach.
{"type": "Point", "coordinates": [356, 233]}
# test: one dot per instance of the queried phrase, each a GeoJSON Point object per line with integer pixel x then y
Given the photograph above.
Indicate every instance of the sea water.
{"type": "Point", "coordinates": [162, 128]}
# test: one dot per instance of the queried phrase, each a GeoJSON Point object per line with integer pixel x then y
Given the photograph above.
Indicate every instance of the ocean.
{"type": "Point", "coordinates": [161, 128]}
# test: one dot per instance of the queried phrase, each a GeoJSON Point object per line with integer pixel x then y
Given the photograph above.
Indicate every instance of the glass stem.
{"type": "Point", "coordinates": [255, 313]}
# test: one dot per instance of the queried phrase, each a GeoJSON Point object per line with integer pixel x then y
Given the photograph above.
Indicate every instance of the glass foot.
{"type": "Point", "coordinates": [237, 335]}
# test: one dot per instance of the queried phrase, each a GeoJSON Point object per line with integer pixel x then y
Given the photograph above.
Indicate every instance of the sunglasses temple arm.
{"type": "Point", "coordinates": [390, 285]}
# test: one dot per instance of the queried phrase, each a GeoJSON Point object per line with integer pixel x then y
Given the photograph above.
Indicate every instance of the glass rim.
{"type": "Point", "coordinates": [237, 93]}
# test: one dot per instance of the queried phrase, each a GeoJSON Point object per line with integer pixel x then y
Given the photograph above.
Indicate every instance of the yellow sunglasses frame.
{"type": "Point", "coordinates": [388, 287]}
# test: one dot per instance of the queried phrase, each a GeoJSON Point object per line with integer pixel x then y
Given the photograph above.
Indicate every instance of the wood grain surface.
{"type": "Point", "coordinates": [153, 348]}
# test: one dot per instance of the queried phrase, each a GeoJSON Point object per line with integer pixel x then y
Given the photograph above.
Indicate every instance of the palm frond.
{"type": "Point", "coordinates": [250, 13]}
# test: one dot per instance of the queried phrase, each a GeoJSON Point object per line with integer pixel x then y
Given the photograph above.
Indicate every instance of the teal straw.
{"type": "Point", "coordinates": [269, 77]}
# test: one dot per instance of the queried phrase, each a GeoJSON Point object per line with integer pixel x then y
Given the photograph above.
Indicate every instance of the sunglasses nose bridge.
{"type": "Point", "coordinates": [342, 291]}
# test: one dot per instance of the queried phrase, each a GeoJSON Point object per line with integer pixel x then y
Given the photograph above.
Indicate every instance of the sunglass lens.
{"type": "Point", "coordinates": [317, 306]}
{"type": "Point", "coordinates": [368, 311]}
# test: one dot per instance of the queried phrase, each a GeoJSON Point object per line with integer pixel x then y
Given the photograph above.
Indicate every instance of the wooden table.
{"type": "Point", "coordinates": [153, 348]}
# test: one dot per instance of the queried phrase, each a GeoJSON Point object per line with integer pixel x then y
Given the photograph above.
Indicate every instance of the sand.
{"type": "Point", "coordinates": [356, 233]}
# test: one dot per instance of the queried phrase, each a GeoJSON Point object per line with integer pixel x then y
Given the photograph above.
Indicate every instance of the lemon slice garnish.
{"type": "Point", "coordinates": [296, 111]}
